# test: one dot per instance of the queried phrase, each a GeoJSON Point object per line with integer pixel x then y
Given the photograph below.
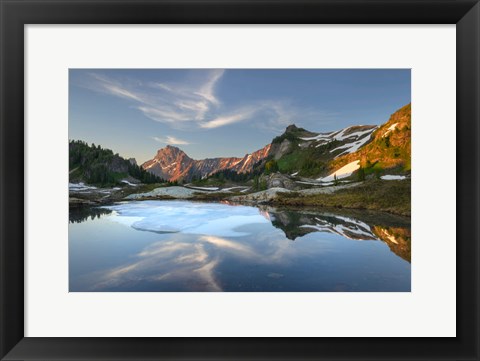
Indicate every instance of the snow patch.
{"type": "Point", "coordinates": [354, 140]}
{"type": "Point", "coordinates": [169, 166]}
{"type": "Point", "coordinates": [232, 188]}
{"type": "Point", "coordinates": [321, 136]}
{"type": "Point", "coordinates": [393, 177]}
{"type": "Point", "coordinates": [315, 183]}
{"type": "Point", "coordinates": [129, 183]}
{"type": "Point", "coordinates": [204, 188]}
{"type": "Point", "coordinates": [343, 172]}
{"type": "Point", "coordinates": [80, 187]}
{"type": "Point", "coordinates": [351, 147]}
{"type": "Point", "coordinates": [155, 161]}
{"type": "Point", "coordinates": [390, 129]}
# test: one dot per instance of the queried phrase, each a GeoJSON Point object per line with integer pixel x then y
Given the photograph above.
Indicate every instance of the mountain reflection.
{"type": "Point", "coordinates": [392, 230]}
{"type": "Point", "coordinates": [398, 240]}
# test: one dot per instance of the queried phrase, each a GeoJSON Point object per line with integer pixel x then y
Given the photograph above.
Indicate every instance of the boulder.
{"type": "Point", "coordinates": [278, 180]}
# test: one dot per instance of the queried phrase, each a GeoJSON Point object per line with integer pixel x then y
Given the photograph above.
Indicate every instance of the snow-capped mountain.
{"type": "Point", "coordinates": [171, 163]}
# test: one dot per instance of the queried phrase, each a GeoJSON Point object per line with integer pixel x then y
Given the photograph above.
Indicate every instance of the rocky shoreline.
{"type": "Point", "coordinates": [357, 195]}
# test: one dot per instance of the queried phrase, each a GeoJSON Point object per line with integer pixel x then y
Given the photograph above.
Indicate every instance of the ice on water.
{"type": "Point", "coordinates": [187, 217]}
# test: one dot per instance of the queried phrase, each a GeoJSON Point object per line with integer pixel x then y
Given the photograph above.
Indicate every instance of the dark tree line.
{"type": "Point", "coordinates": [96, 165]}
{"type": "Point", "coordinates": [142, 175]}
{"type": "Point", "coordinates": [231, 175]}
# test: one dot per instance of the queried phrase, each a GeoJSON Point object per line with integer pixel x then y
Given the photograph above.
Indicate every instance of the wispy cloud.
{"type": "Point", "coordinates": [164, 114]}
{"type": "Point", "coordinates": [195, 104]}
{"type": "Point", "coordinates": [180, 105]}
{"type": "Point", "coordinates": [171, 140]}
{"type": "Point", "coordinates": [207, 91]}
{"type": "Point", "coordinates": [190, 101]}
{"type": "Point", "coordinates": [113, 87]}
{"type": "Point", "coordinates": [274, 115]}
{"type": "Point", "coordinates": [223, 120]}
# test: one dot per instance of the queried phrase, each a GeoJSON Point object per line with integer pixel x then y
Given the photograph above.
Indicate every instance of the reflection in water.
{"type": "Point", "coordinates": [299, 223]}
{"type": "Point", "coordinates": [186, 246]}
{"type": "Point", "coordinates": [398, 240]}
{"type": "Point", "coordinates": [168, 262]}
{"type": "Point", "coordinates": [81, 214]}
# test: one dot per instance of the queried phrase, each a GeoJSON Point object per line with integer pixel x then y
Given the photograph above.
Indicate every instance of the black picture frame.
{"type": "Point", "coordinates": [15, 14]}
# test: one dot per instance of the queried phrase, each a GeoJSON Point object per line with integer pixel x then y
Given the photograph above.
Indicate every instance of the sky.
{"type": "Point", "coordinates": [224, 112]}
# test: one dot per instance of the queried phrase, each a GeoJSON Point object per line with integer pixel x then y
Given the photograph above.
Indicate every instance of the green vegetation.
{"type": "Point", "coordinates": [390, 148]}
{"type": "Point", "coordinates": [388, 196]}
{"type": "Point", "coordinates": [95, 165]}
{"type": "Point", "coordinates": [259, 184]}
{"type": "Point", "coordinates": [271, 166]}
{"type": "Point", "coordinates": [361, 174]}
{"type": "Point", "coordinates": [308, 162]}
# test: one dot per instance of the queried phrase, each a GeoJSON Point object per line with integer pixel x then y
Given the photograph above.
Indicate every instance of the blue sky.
{"type": "Point", "coordinates": [217, 112]}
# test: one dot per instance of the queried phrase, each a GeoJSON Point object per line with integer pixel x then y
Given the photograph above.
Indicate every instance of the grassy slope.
{"type": "Point", "coordinates": [391, 152]}
{"type": "Point", "coordinates": [309, 162]}
{"type": "Point", "coordinates": [388, 196]}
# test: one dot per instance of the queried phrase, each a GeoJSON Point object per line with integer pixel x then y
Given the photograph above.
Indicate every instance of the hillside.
{"type": "Point", "coordinates": [364, 149]}
{"type": "Point", "coordinates": [308, 154]}
{"type": "Point", "coordinates": [94, 165]}
{"type": "Point", "coordinates": [389, 148]}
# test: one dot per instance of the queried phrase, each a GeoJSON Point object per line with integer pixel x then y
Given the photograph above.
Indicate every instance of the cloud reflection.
{"type": "Point", "coordinates": [179, 262]}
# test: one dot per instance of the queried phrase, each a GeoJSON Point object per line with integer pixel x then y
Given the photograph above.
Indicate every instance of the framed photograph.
{"type": "Point", "coordinates": [239, 180]}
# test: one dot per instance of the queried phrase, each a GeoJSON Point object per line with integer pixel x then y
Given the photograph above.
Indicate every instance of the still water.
{"type": "Point", "coordinates": [158, 246]}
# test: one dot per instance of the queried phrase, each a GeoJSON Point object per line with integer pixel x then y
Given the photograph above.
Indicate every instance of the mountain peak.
{"type": "Point", "coordinates": [291, 128]}
{"type": "Point", "coordinates": [170, 153]}
{"type": "Point", "coordinates": [171, 147]}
